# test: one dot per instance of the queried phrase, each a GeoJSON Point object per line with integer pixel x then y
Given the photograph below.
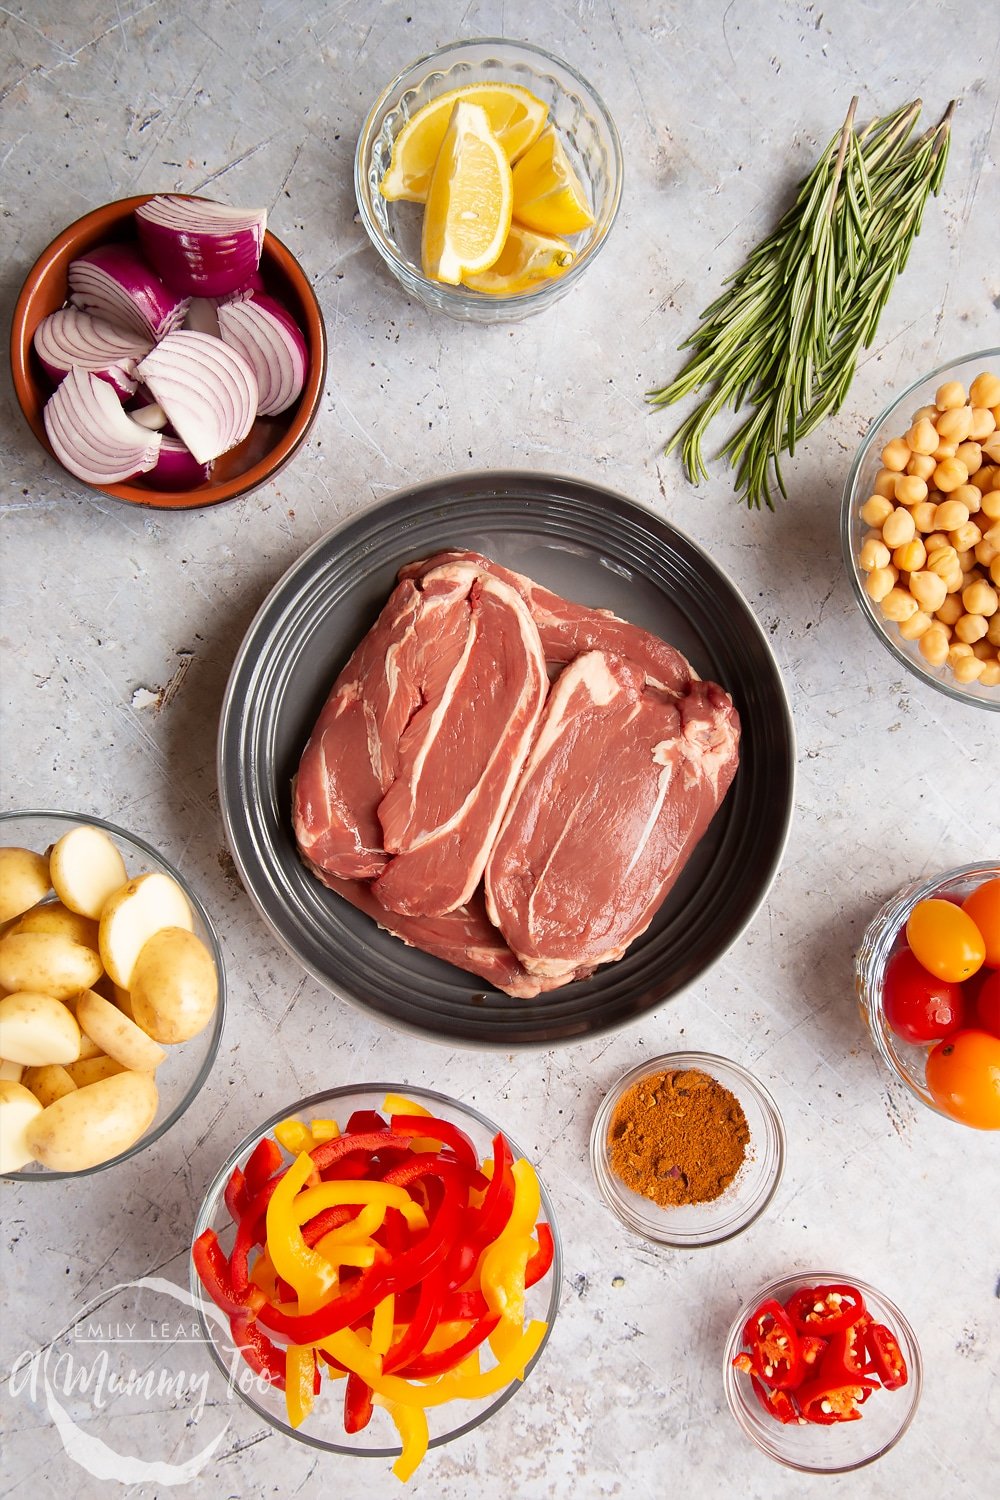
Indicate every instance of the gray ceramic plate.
{"type": "Point", "coordinates": [590, 545]}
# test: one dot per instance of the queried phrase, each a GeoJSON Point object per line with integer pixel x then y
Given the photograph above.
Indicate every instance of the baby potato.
{"type": "Point", "coordinates": [174, 986]}
{"type": "Point", "coordinates": [116, 1035]}
{"type": "Point", "coordinates": [93, 1069]}
{"type": "Point", "coordinates": [47, 962]}
{"type": "Point", "coordinates": [24, 880]}
{"type": "Point", "coordinates": [88, 1047]}
{"type": "Point", "coordinates": [10, 1072]}
{"type": "Point", "coordinates": [132, 915]}
{"type": "Point", "coordinates": [53, 916]}
{"type": "Point", "coordinates": [94, 1123]}
{"type": "Point", "coordinates": [36, 1029]}
{"type": "Point", "coordinates": [18, 1108]}
{"type": "Point", "coordinates": [86, 868]}
{"type": "Point", "coordinates": [48, 1084]}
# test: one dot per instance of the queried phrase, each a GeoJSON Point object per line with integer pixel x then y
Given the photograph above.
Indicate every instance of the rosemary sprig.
{"type": "Point", "coordinates": [786, 335]}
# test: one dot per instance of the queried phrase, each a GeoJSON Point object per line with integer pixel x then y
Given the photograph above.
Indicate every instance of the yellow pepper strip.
{"type": "Point", "coordinates": [446, 1334]}
{"type": "Point", "coordinates": [382, 1325]}
{"type": "Point", "coordinates": [359, 1229]}
{"type": "Point", "coordinates": [300, 1366]}
{"type": "Point", "coordinates": [411, 1424]}
{"type": "Point", "coordinates": [341, 1253]}
{"type": "Point", "coordinates": [263, 1276]}
{"type": "Point", "coordinates": [323, 1130]}
{"type": "Point", "coordinates": [350, 1351]}
{"type": "Point", "coordinates": [294, 1136]}
{"type": "Point", "coordinates": [398, 1104]}
{"type": "Point", "coordinates": [502, 1267]}
{"type": "Point", "coordinates": [331, 1194]}
{"type": "Point", "coordinates": [465, 1385]}
{"type": "Point", "coordinates": [310, 1273]}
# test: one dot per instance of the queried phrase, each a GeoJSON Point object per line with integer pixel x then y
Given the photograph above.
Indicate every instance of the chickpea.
{"type": "Point", "coordinates": [899, 528]}
{"type": "Point", "coordinates": [895, 454]}
{"type": "Point", "coordinates": [910, 557]}
{"type": "Point", "coordinates": [923, 515]}
{"type": "Point", "coordinates": [969, 496]}
{"type": "Point", "coordinates": [980, 599]}
{"type": "Point", "coordinates": [970, 628]}
{"type": "Point", "coordinates": [877, 508]}
{"type": "Point", "coordinates": [993, 632]}
{"type": "Point", "coordinates": [944, 450]}
{"type": "Point", "coordinates": [921, 438]}
{"type": "Point", "coordinates": [950, 395]}
{"type": "Point", "coordinates": [934, 645]}
{"type": "Point", "coordinates": [990, 504]}
{"type": "Point", "coordinates": [985, 390]}
{"type": "Point", "coordinates": [955, 424]}
{"type": "Point", "coordinates": [955, 580]}
{"type": "Point", "coordinates": [910, 490]}
{"type": "Point", "coordinates": [982, 479]}
{"type": "Point", "coordinates": [983, 423]}
{"type": "Point", "coordinates": [968, 669]}
{"type": "Point", "coordinates": [899, 604]}
{"type": "Point", "coordinates": [949, 515]}
{"type": "Point", "coordinates": [930, 412]}
{"type": "Point", "coordinates": [884, 483]}
{"type": "Point", "coordinates": [917, 625]}
{"type": "Point", "coordinates": [921, 465]}
{"type": "Point", "coordinates": [928, 589]}
{"type": "Point", "coordinates": [949, 474]}
{"type": "Point", "coordinates": [995, 571]}
{"type": "Point", "coordinates": [951, 610]}
{"type": "Point", "coordinates": [991, 447]}
{"type": "Point", "coordinates": [880, 581]}
{"type": "Point", "coordinates": [971, 455]}
{"type": "Point", "coordinates": [964, 538]}
{"type": "Point", "coordinates": [941, 560]}
{"type": "Point", "coordinates": [984, 650]}
{"type": "Point", "coordinates": [957, 650]}
{"type": "Point", "coordinates": [967, 562]}
{"type": "Point", "coordinates": [992, 533]}
{"type": "Point", "coordinates": [990, 675]}
{"type": "Point", "coordinates": [986, 553]}
{"type": "Point", "coordinates": [874, 554]}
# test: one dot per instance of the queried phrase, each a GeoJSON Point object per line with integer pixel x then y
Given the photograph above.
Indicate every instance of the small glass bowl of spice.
{"type": "Point", "coordinates": [688, 1149]}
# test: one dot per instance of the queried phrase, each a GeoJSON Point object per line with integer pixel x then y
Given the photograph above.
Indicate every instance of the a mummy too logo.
{"type": "Point", "coordinates": [128, 1385]}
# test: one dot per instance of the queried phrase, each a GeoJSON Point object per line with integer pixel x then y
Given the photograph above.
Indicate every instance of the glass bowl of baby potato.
{"type": "Point", "coordinates": [112, 995]}
{"type": "Point", "coordinates": [920, 528]}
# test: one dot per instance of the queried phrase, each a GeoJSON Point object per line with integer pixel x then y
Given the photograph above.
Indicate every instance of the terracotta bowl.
{"type": "Point", "coordinates": [272, 440]}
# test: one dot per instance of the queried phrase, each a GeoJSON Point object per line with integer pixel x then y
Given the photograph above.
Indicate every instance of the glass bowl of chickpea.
{"type": "Point", "coordinates": [920, 528]}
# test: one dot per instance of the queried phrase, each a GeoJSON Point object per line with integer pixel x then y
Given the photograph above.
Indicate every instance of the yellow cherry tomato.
{"type": "Point", "coordinates": [945, 939]}
{"type": "Point", "coordinates": [963, 1076]}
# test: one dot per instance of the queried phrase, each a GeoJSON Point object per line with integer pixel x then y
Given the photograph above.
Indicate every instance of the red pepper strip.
{"type": "Point", "coordinates": [426, 1317]}
{"type": "Point", "coordinates": [394, 1233]}
{"type": "Point", "coordinates": [829, 1399]}
{"type": "Point", "coordinates": [887, 1356]}
{"type": "Point", "coordinates": [428, 1127]}
{"type": "Point", "coordinates": [264, 1160]}
{"type": "Point", "coordinates": [364, 1121]}
{"type": "Point", "coordinates": [774, 1346]}
{"type": "Point", "coordinates": [495, 1209]}
{"type": "Point", "coordinates": [425, 1365]}
{"type": "Point", "coordinates": [357, 1403]}
{"type": "Point", "coordinates": [259, 1352]}
{"type": "Point", "coordinates": [825, 1309]}
{"type": "Point", "coordinates": [540, 1262]}
{"type": "Point", "coordinates": [215, 1275]}
{"type": "Point", "coordinates": [776, 1403]}
{"type": "Point", "coordinates": [329, 1153]}
{"type": "Point", "coordinates": [329, 1218]}
{"type": "Point", "coordinates": [235, 1195]}
{"type": "Point", "coordinates": [415, 1167]}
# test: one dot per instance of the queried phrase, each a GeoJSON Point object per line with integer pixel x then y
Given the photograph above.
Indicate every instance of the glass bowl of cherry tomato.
{"type": "Point", "coordinates": [928, 978]}
{"type": "Point", "coordinates": [822, 1372]}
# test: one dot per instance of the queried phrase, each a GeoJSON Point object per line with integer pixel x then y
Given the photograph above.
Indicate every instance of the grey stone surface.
{"type": "Point", "coordinates": [721, 107]}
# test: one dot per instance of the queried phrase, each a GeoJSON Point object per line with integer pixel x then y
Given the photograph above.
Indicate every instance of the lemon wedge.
{"type": "Point", "coordinates": [516, 118]}
{"type": "Point", "coordinates": [548, 195]}
{"type": "Point", "coordinates": [469, 201]}
{"type": "Point", "coordinates": [526, 259]}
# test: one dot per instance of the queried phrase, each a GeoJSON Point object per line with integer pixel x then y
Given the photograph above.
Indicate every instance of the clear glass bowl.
{"type": "Point", "coordinates": [894, 421]}
{"type": "Point", "coordinates": [884, 936]}
{"type": "Point", "coordinates": [585, 129]}
{"type": "Point", "coordinates": [691, 1226]}
{"type": "Point", "coordinates": [182, 1074]}
{"type": "Point", "coordinates": [324, 1427]}
{"type": "Point", "coordinates": [843, 1446]}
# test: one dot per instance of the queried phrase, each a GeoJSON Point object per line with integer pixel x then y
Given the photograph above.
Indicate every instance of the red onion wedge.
{"type": "Point", "coordinates": [177, 468]}
{"type": "Point", "coordinates": [269, 337]}
{"type": "Point", "coordinates": [207, 389]}
{"type": "Point", "coordinates": [90, 434]}
{"type": "Point", "coordinates": [201, 249]}
{"type": "Point", "coordinates": [203, 316]}
{"type": "Point", "coordinates": [70, 339]}
{"type": "Point", "coordinates": [115, 283]}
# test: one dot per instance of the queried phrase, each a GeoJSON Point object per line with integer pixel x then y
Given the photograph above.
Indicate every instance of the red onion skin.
{"type": "Point", "coordinates": [209, 262]}
{"type": "Point", "coordinates": [177, 468]}
{"type": "Point", "coordinates": [157, 310]}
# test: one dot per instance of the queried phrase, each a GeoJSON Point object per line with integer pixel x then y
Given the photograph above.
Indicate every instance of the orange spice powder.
{"type": "Point", "coordinates": [678, 1137]}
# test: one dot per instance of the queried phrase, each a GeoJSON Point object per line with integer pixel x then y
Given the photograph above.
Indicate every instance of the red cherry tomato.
{"type": "Point", "coordinates": [963, 1076]}
{"type": "Point", "coordinates": [918, 1007]}
{"type": "Point", "coordinates": [983, 906]}
{"type": "Point", "coordinates": [945, 939]}
{"type": "Point", "coordinates": [987, 1010]}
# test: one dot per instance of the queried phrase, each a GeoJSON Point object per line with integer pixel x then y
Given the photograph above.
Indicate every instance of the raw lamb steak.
{"type": "Point", "coordinates": [621, 784]}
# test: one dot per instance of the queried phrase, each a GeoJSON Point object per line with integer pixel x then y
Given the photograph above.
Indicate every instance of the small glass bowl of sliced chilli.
{"type": "Point", "coordinates": [822, 1372]}
{"type": "Point", "coordinates": [376, 1270]}
{"type": "Point", "coordinates": [658, 1128]}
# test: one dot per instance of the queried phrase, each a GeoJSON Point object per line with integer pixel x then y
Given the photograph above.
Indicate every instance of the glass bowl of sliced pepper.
{"type": "Point", "coordinates": [377, 1270]}
{"type": "Point", "coordinates": [822, 1372]}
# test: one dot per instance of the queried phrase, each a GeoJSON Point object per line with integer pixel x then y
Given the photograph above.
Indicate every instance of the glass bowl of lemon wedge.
{"type": "Point", "coordinates": [488, 176]}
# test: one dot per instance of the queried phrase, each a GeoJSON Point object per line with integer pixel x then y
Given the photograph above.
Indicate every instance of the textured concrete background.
{"type": "Point", "coordinates": [721, 107]}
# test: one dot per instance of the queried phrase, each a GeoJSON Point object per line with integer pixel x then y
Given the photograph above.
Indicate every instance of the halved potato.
{"type": "Point", "coordinates": [119, 1037]}
{"type": "Point", "coordinates": [10, 1072]}
{"type": "Point", "coordinates": [86, 868]}
{"type": "Point", "coordinates": [24, 880]}
{"type": "Point", "coordinates": [53, 916]}
{"type": "Point", "coordinates": [132, 915]}
{"type": "Point", "coordinates": [48, 1084]}
{"type": "Point", "coordinates": [36, 1029]}
{"type": "Point", "coordinates": [47, 962]}
{"type": "Point", "coordinates": [18, 1108]}
{"type": "Point", "coordinates": [174, 986]}
{"type": "Point", "coordinates": [93, 1123]}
